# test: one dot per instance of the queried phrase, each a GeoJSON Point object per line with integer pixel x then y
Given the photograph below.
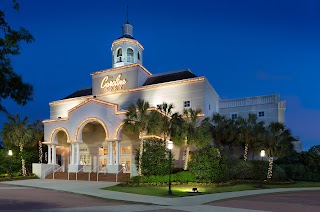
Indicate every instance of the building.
{"type": "Point", "coordinates": [84, 132]}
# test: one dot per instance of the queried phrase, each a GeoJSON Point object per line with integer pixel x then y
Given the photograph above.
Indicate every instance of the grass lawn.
{"type": "Point", "coordinates": [186, 190]}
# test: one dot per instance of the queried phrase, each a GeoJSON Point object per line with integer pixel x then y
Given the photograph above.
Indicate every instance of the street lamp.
{"type": "Point", "coordinates": [170, 146]}
{"type": "Point", "coordinates": [10, 154]}
{"type": "Point", "coordinates": [262, 154]}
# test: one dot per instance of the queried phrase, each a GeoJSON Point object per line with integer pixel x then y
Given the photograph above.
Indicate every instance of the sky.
{"type": "Point", "coordinates": [244, 48]}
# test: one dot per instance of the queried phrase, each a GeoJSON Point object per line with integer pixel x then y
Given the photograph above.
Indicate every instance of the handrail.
{"type": "Point", "coordinates": [92, 171]}
{"type": "Point", "coordinates": [51, 166]}
{"type": "Point", "coordinates": [118, 173]}
{"type": "Point", "coordinates": [56, 171]}
{"type": "Point", "coordinates": [78, 172]}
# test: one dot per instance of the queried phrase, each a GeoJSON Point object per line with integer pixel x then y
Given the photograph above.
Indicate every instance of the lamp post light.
{"type": "Point", "coordinates": [170, 147]}
{"type": "Point", "coordinates": [262, 154]}
{"type": "Point", "coordinates": [10, 154]}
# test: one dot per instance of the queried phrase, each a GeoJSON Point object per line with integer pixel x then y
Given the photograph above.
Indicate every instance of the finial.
{"type": "Point", "coordinates": [127, 15]}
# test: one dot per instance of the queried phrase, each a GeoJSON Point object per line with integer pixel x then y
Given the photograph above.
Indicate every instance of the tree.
{"type": "Point", "coordinates": [11, 84]}
{"type": "Point", "coordinates": [140, 119]}
{"type": "Point", "coordinates": [18, 133]}
{"type": "Point", "coordinates": [166, 111]}
{"type": "Point", "coordinates": [197, 132]}
{"type": "Point", "coordinates": [225, 131]}
{"type": "Point", "coordinates": [277, 142]}
{"type": "Point", "coordinates": [249, 132]}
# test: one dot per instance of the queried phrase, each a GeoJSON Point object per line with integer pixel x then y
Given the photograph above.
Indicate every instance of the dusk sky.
{"type": "Point", "coordinates": [244, 48]}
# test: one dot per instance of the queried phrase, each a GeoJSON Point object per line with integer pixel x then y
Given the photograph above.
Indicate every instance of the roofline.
{"type": "Point", "coordinates": [121, 67]}
{"type": "Point", "coordinates": [190, 80]}
{"type": "Point", "coordinates": [171, 72]}
{"type": "Point", "coordinates": [128, 40]}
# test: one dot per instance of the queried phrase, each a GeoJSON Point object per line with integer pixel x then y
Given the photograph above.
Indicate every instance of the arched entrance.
{"type": "Point", "coordinates": [91, 135]}
{"type": "Point", "coordinates": [60, 148]}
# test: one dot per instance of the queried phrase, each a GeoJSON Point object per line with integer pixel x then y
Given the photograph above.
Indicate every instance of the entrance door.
{"type": "Point", "coordinates": [126, 162]}
{"type": "Point", "coordinates": [103, 159]}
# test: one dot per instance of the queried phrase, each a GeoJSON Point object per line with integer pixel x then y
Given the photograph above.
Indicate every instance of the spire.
{"type": "Point", "coordinates": [127, 22]}
{"type": "Point", "coordinates": [127, 28]}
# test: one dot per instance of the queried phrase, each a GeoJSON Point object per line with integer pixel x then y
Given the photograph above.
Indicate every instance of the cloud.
{"type": "Point", "coordinates": [263, 75]}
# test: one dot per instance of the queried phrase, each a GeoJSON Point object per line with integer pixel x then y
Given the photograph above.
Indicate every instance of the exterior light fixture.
{"type": "Point", "coordinates": [170, 147]}
{"type": "Point", "coordinates": [195, 189]}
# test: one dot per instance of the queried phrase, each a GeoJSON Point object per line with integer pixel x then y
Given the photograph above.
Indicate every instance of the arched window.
{"type": "Point", "coordinates": [138, 55]}
{"type": "Point", "coordinates": [130, 55]}
{"type": "Point", "coordinates": [119, 55]}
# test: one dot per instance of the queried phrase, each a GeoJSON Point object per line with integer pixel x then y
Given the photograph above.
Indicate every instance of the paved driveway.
{"type": "Point", "coordinates": [304, 201]}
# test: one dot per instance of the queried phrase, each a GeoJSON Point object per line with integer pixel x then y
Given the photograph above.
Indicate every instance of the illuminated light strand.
{"type": "Point", "coordinates": [151, 136]}
{"type": "Point", "coordinates": [199, 115]}
{"type": "Point", "coordinates": [88, 120]}
{"type": "Point", "coordinates": [56, 130]}
{"type": "Point", "coordinates": [121, 67]}
{"type": "Point", "coordinates": [132, 90]}
{"type": "Point", "coordinates": [126, 40]}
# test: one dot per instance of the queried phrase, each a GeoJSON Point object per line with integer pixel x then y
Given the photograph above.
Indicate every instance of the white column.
{"type": "Point", "coordinates": [72, 154]}
{"type": "Point", "coordinates": [54, 154]}
{"type": "Point", "coordinates": [117, 152]}
{"type": "Point", "coordinates": [49, 154]}
{"type": "Point", "coordinates": [78, 154]}
{"type": "Point", "coordinates": [110, 153]}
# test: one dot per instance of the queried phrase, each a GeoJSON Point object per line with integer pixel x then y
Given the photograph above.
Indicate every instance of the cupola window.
{"type": "Point", "coordinates": [130, 55]}
{"type": "Point", "coordinates": [138, 55]}
{"type": "Point", "coordinates": [119, 55]}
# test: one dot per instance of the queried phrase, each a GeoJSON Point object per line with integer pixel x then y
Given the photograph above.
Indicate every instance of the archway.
{"type": "Point", "coordinates": [60, 147]}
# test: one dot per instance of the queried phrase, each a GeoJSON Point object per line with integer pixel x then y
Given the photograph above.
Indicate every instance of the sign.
{"type": "Point", "coordinates": [113, 85]}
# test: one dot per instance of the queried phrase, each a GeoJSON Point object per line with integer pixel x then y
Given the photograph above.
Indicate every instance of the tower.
{"type": "Point", "coordinates": [126, 50]}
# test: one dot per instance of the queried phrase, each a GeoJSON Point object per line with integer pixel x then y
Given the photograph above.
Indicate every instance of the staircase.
{"type": "Point", "coordinates": [93, 176]}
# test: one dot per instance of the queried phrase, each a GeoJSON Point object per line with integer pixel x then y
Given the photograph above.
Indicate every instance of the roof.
{"type": "Point", "coordinates": [126, 36]}
{"type": "Point", "coordinates": [168, 77]}
{"type": "Point", "coordinates": [79, 93]}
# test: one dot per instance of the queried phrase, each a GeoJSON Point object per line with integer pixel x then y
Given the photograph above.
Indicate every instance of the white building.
{"type": "Point", "coordinates": [84, 131]}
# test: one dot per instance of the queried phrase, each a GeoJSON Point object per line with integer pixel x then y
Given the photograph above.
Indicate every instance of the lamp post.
{"type": "Point", "coordinates": [262, 154]}
{"type": "Point", "coordinates": [10, 154]}
{"type": "Point", "coordinates": [170, 146]}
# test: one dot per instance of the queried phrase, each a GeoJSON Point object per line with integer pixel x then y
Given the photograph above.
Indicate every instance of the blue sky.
{"type": "Point", "coordinates": [244, 48]}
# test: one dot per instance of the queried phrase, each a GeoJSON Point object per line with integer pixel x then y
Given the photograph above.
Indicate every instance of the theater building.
{"type": "Point", "coordinates": [84, 132]}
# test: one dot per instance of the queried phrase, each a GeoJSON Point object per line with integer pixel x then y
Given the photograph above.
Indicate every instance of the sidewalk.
{"type": "Point", "coordinates": [93, 189]}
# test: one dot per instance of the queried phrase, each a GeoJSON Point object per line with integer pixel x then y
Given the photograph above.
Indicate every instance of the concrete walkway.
{"type": "Point", "coordinates": [192, 203]}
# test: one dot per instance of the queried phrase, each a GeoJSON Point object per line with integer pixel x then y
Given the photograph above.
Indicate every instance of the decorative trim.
{"type": "Point", "coordinates": [121, 67]}
{"type": "Point", "coordinates": [126, 40]}
{"type": "Point", "coordinates": [59, 129]}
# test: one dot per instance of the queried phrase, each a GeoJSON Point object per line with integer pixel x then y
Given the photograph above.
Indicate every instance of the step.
{"type": "Point", "coordinates": [93, 176]}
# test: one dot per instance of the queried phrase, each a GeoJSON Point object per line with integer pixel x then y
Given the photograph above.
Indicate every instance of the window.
{"type": "Point", "coordinates": [85, 160]}
{"type": "Point", "coordinates": [119, 55]}
{"type": "Point", "coordinates": [125, 150]}
{"type": "Point", "coordinates": [234, 116]}
{"type": "Point", "coordinates": [129, 55]}
{"type": "Point", "coordinates": [103, 150]}
{"type": "Point", "coordinates": [187, 103]}
{"type": "Point", "coordinates": [209, 107]}
{"type": "Point", "coordinates": [261, 113]}
{"type": "Point", "coordinates": [138, 55]}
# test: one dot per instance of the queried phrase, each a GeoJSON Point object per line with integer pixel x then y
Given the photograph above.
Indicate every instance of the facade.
{"type": "Point", "coordinates": [84, 132]}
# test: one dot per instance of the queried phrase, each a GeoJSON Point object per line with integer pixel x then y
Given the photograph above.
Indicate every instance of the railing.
{"type": "Point", "coordinates": [47, 170]}
{"type": "Point", "coordinates": [56, 171]}
{"type": "Point", "coordinates": [119, 172]}
{"type": "Point", "coordinates": [78, 172]}
{"type": "Point", "coordinates": [93, 170]}
{"type": "Point", "coordinates": [250, 101]}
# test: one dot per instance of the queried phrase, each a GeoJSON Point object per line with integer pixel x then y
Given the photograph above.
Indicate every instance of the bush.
{"type": "Point", "coordinates": [155, 158]}
{"type": "Point", "coordinates": [242, 170]}
{"type": "Point", "coordinates": [278, 173]}
{"type": "Point", "coordinates": [208, 165]}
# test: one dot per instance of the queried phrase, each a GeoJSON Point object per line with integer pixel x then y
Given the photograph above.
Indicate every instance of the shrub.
{"type": "Point", "coordinates": [155, 158]}
{"type": "Point", "coordinates": [207, 165]}
{"type": "Point", "coordinates": [242, 170]}
{"type": "Point", "coordinates": [278, 173]}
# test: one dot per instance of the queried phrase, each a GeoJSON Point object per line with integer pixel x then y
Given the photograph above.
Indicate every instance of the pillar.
{"type": "Point", "coordinates": [49, 154]}
{"type": "Point", "coordinates": [72, 153]}
{"type": "Point", "coordinates": [117, 152]}
{"type": "Point", "coordinates": [54, 154]}
{"type": "Point", "coordinates": [78, 154]}
{"type": "Point", "coordinates": [110, 153]}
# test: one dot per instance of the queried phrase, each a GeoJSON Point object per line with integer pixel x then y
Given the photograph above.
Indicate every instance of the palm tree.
{"type": "Point", "coordinates": [197, 132]}
{"type": "Point", "coordinates": [166, 122]}
{"type": "Point", "coordinates": [277, 142]}
{"type": "Point", "coordinates": [249, 130]}
{"type": "Point", "coordinates": [139, 119]}
{"type": "Point", "coordinates": [18, 133]}
{"type": "Point", "coordinates": [224, 131]}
